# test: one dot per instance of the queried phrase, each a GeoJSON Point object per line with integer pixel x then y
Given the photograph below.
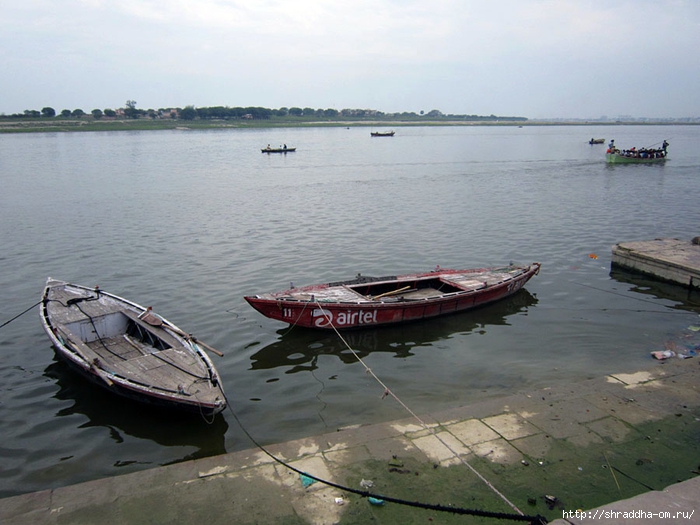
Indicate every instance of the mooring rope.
{"type": "Point", "coordinates": [388, 391]}
{"type": "Point", "coordinates": [20, 315]}
{"type": "Point", "coordinates": [292, 325]}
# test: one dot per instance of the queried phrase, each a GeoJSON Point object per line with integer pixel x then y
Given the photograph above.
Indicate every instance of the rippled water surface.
{"type": "Point", "coordinates": [190, 221]}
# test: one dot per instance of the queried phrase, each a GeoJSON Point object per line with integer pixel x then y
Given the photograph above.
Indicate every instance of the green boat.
{"type": "Point", "coordinates": [636, 156]}
{"type": "Point", "coordinates": [617, 158]}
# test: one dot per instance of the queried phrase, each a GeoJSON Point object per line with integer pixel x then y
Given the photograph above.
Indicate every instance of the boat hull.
{"type": "Point", "coordinates": [614, 158]}
{"type": "Point", "coordinates": [136, 393]}
{"type": "Point", "coordinates": [314, 307]}
{"type": "Point", "coordinates": [89, 331]}
{"type": "Point", "coordinates": [278, 150]}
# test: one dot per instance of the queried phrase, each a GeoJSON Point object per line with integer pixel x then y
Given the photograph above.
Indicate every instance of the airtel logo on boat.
{"type": "Point", "coordinates": [324, 318]}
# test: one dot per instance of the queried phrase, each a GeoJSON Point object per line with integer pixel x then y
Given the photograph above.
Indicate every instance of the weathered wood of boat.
{"type": "Point", "coordinates": [636, 156]}
{"type": "Point", "coordinates": [372, 301]}
{"type": "Point", "coordinates": [277, 150]}
{"type": "Point", "coordinates": [382, 133]}
{"type": "Point", "coordinates": [130, 350]}
{"type": "Point", "coordinates": [596, 141]}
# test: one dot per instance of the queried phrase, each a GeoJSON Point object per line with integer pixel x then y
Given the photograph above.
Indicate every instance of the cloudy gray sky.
{"type": "Point", "coordinates": [532, 58]}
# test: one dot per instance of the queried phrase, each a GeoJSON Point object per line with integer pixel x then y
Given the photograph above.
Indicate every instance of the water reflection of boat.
{"type": "Point", "coordinates": [149, 423]}
{"type": "Point", "coordinates": [298, 350]}
{"type": "Point", "coordinates": [686, 299]}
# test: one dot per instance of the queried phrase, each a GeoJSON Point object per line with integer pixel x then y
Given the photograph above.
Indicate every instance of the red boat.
{"type": "Point", "coordinates": [373, 301]}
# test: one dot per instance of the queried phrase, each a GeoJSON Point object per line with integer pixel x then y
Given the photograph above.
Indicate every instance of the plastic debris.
{"type": "Point", "coordinates": [213, 472]}
{"type": "Point", "coordinates": [592, 255]}
{"type": "Point", "coordinates": [395, 462]}
{"type": "Point", "coordinates": [663, 354]}
{"type": "Point", "coordinates": [306, 480]}
{"type": "Point", "coordinates": [694, 328]}
{"type": "Point", "coordinates": [366, 483]}
{"type": "Point", "coordinates": [551, 501]}
{"type": "Point", "coordinates": [376, 501]}
{"type": "Point", "coordinates": [680, 354]}
{"type": "Point", "coordinates": [339, 501]}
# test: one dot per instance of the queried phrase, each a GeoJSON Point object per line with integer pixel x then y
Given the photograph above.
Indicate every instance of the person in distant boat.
{"type": "Point", "coordinates": [268, 147]}
{"type": "Point", "coordinates": [285, 147]}
{"type": "Point", "coordinates": [665, 145]}
{"type": "Point", "coordinates": [611, 146]}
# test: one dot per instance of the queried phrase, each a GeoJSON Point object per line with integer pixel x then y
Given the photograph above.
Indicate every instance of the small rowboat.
{"type": "Point", "coordinates": [278, 150]}
{"type": "Point", "coordinates": [366, 302]}
{"type": "Point", "coordinates": [129, 350]}
{"type": "Point", "coordinates": [382, 133]}
{"type": "Point", "coordinates": [596, 141]}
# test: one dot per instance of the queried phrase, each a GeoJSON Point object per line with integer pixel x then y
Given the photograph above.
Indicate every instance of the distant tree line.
{"type": "Point", "coordinates": [130, 111]}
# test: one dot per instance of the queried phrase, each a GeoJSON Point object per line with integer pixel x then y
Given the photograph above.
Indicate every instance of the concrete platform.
{"type": "Point", "coordinates": [617, 443]}
{"type": "Point", "coordinates": [671, 260]}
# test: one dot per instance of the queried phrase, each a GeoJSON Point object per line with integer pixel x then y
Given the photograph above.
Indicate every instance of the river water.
{"type": "Point", "coordinates": [191, 221]}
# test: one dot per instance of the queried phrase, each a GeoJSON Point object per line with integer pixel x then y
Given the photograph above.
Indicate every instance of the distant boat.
{"type": "Point", "coordinates": [636, 156]}
{"type": "Point", "coordinates": [382, 133]}
{"type": "Point", "coordinates": [596, 141]}
{"type": "Point", "coordinates": [284, 149]}
{"type": "Point", "coordinates": [367, 302]}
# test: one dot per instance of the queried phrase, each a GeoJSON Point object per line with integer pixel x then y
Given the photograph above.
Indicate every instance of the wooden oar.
{"type": "Point", "coordinates": [205, 345]}
{"type": "Point", "coordinates": [393, 292]}
{"type": "Point", "coordinates": [150, 317]}
{"type": "Point", "coordinates": [194, 339]}
{"type": "Point", "coordinates": [154, 319]}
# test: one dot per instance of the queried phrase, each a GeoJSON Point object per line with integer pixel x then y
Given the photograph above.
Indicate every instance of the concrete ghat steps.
{"type": "Point", "coordinates": [548, 441]}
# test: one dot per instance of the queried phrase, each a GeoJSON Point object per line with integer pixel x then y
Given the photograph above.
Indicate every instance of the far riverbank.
{"type": "Point", "coordinates": [57, 124]}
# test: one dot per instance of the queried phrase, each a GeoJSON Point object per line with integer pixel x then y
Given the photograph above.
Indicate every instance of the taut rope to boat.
{"type": "Point", "coordinates": [20, 315]}
{"type": "Point", "coordinates": [389, 392]}
{"type": "Point", "coordinates": [519, 516]}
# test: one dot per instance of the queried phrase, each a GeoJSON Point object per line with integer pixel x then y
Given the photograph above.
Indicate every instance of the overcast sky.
{"type": "Point", "coordinates": [531, 58]}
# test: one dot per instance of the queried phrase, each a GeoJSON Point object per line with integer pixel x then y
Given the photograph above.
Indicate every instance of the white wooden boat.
{"type": "Point", "coordinates": [130, 350]}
